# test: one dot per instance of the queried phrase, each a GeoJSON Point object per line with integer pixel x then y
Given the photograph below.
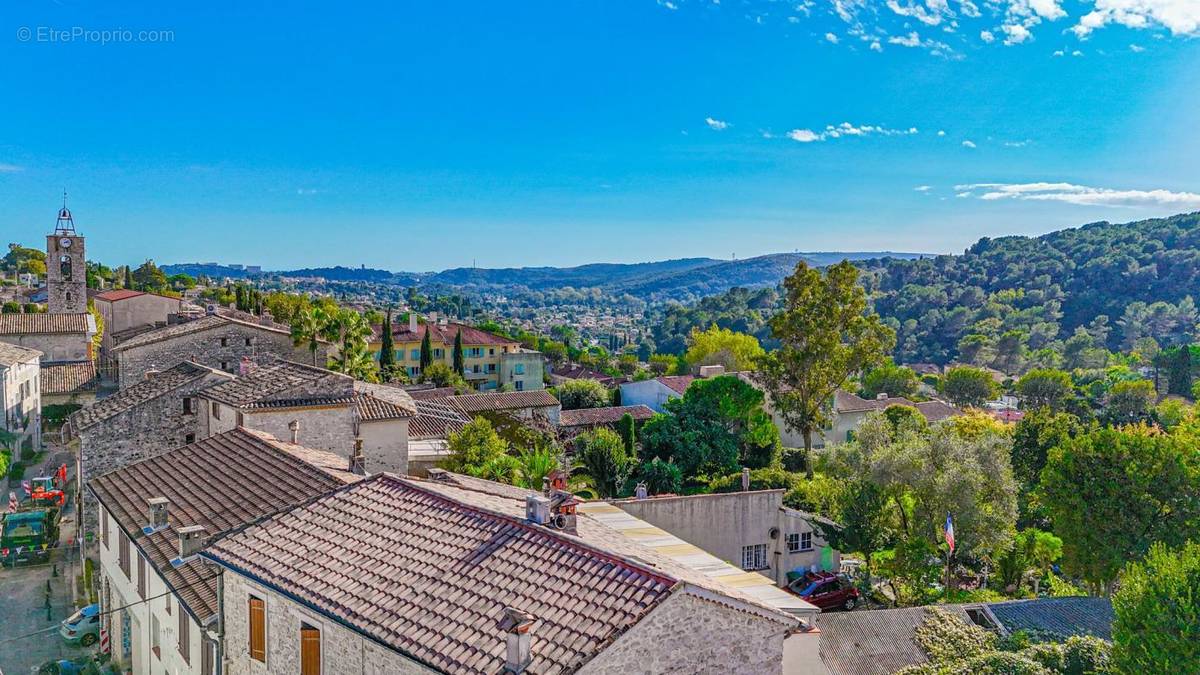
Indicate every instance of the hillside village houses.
{"type": "Point", "coordinates": [490, 361]}
{"type": "Point", "coordinates": [20, 394]}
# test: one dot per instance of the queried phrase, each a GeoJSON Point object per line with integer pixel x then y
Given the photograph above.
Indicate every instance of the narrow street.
{"type": "Point", "coordinates": [36, 597]}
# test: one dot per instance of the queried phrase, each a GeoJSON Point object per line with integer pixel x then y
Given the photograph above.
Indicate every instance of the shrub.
{"type": "Point", "coordinates": [998, 663]}
{"type": "Point", "coordinates": [1048, 654]}
{"type": "Point", "coordinates": [760, 479]}
{"type": "Point", "coordinates": [1085, 655]}
{"type": "Point", "coordinates": [1156, 628]}
{"type": "Point", "coordinates": [577, 394]}
{"type": "Point", "coordinates": [660, 477]}
{"type": "Point", "coordinates": [793, 460]}
{"type": "Point", "coordinates": [945, 637]}
{"type": "Point", "coordinates": [16, 471]}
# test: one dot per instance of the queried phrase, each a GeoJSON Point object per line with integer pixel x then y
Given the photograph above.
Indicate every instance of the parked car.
{"type": "Point", "coordinates": [826, 591]}
{"type": "Point", "coordinates": [83, 627]}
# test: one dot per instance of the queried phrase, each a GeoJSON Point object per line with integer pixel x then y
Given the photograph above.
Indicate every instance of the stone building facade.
{"type": "Point", "coordinates": [215, 341]}
{"type": "Point", "coordinates": [126, 310]}
{"type": "Point", "coordinates": [343, 651]}
{"type": "Point", "coordinates": [20, 394]}
{"type": "Point", "coordinates": [155, 415]}
{"type": "Point", "coordinates": [61, 338]}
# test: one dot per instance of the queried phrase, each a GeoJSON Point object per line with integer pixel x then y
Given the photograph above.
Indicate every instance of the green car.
{"type": "Point", "coordinates": [83, 627]}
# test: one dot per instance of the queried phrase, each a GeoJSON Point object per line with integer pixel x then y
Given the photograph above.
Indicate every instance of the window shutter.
{"type": "Point", "coordinates": [123, 554]}
{"type": "Point", "coordinates": [310, 650]}
{"type": "Point", "coordinates": [258, 630]}
{"type": "Point", "coordinates": [104, 529]}
{"type": "Point", "coordinates": [141, 577]}
{"type": "Point", "coordinates": [185, 637]}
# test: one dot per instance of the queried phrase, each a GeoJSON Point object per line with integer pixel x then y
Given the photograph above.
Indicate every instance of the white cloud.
{"type": "Point", "coordinates": [1082, 195]}
{"type": "Point", "coordinates": [876, 47]}
{"type": "Point", "coordinates": [987, 36]}
{"type": "Point", "coordinates": [306, 191]}
{"type": "Point", "coordinates": [830, 37]}
{"type": "Point", "coordinates": [1076, 53]}
{"type": "Point", "coordinates": [1017, 144]}
{"type": "Point", "coordinates": [1137, 49]}
{"type": "Point", "coordinates": [847, 129]}
{"type": "Point", "coordinates": [718, 125]}
{"type": "Point", "coordinates": [930, 16]}
{"type": "Point", "coordinates": [910, 40]}
{"type": "Point", "coordinates": [1181, 17]}
{"type": "Point", "coordinates": [805, 135]}
{"type": "Point", "coordinates": [10, 168]}
{"type": "Point", "coordinates": [1059, 52]}
{"type": "Point", "coordinates": [668, 4]}
{"type": "Point", "coordinates": [968, 144]}
{"type": "Point", "coordinates": [1015, 34]}
{"type": "Point", "coordinates": [963, 195]}
{"type": "Point", "coordinates": [941, 132]}
{"type": "Point", "coordinates": [923, 188]}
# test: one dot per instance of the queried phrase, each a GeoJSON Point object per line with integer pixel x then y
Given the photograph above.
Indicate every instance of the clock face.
{"type": "Point", "coordinates": [65, 242]}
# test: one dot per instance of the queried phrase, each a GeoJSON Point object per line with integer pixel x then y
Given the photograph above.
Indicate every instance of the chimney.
{"type": "Point", "coordinates": [150, 374]}
{"type": "Point", "coordinates": [432, 320]}
{"type": "Point", "coordinates": [537, 509]}
{"type": "Point", "coordinates": [881, 396]}
{"type": "Point", "coordinates": [518, 626]}
{"type": "Point", "coordinates": [745, 479]}
{"type": "Point", "coordinates": [412, 321]}
{"type": "Point", "coordinates": [294, 427]}
{"type": "Point", "coordinates": [191, 540]}
{"type": "Point", "coordinates": [158, 513]}
{"type": "Point", "coordinates": [245, 366]}
{"type": "Point", "coordinates": [711, 371]}
{"type": "Point", "coordinates": [358, 463]}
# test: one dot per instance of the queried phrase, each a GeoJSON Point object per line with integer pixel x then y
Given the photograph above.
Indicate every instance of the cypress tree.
{"type": "Point", "coordinates": [625, 428]}
{"type": "Point", "coordinates": [387, 351]}
{"type": "Point", "coordinates": [459, 365]}
{"type": "Point", "coordinates": [426, 349]}
{"type": "Point", "coordinates": [128, 277]}
{"type": "Point", "coordinates": [1179, 371]}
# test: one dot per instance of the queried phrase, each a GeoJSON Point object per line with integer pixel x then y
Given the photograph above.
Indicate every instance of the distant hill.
{"type": "Point", "coordinates": [682, 279]}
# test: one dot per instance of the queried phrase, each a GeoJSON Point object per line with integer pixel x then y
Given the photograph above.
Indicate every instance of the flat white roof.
{"type": "Point", "coordinates": [693, 557]}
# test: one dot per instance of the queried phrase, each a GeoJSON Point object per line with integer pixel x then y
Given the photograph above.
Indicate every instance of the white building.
{"type": "Point", "coordinates": [20, 390]}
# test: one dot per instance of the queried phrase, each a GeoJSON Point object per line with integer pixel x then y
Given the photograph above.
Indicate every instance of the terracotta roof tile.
{"type": "Point", "coordinates": [386, 402]}
{"type": "Point", "coordinates": [677, 383]}
{"type": "Point", "coordinates": [221, 483]}
{"type": "Point", "coordinates": [431, 393]}
{"type": "Point", "coordinates": [587, 417]}
{"type": "Point", "coordinates": [118, 295]}
{"type": "Point", "coordinates": [388, 552]}
{"type": "Point", "coordinates": [445, 334]}
{"type": "Point", "coordinates": [436, 420]}
{"type": "Point", "coordinates": [44, 324]}
{"type": "Point", "coordinates": [270, 382]}
{"type": "Point", "coordinates": [64, 378]}
{"type": "Point", "coordinates": [208, 322]}
{"type": "Point", "coordinates": [130, 397]}
{"type": "Point", "coordinates": [501, 400]}
{"type": "Point", "coordinates": [11, 354]}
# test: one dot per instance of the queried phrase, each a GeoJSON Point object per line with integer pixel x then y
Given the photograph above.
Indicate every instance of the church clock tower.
{"type": "Point", "coordinates": [66, 267]}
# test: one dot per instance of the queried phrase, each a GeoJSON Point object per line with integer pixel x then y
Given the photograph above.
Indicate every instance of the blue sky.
{"type": "Point", "coordinates": [427, 136]}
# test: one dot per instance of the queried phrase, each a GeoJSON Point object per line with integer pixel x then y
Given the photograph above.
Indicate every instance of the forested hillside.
{"type": "Point", "coordinates": [1017, 302]}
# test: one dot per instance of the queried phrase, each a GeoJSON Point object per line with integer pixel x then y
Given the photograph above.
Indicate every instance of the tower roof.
{"type": "Point", "coordinates": [65, 223]}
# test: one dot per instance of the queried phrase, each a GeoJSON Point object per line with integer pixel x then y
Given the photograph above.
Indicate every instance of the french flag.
{"type": "Point", "coordinates": [950, 532]}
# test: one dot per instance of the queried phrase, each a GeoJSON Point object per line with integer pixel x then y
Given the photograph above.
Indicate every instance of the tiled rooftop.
{"type": "Point", "coordinates": [933, 411]}
{"type": "Point", "coordinates": [189, 327]}
{"type": "Point", "coordinates": [131, 397]}
{"type": "Point", "coordinates": [221, 483]}
{"type": "Point", "coordinates": [44, 324]}
{"type": "Point", "coordinates": [595, 416]}
{"type": "Point", "coordinates": [380, 401]}
{"type": "Point", "coordinates": [269, 382]}
{"type": "Point", "coordinates": [677, 383]}
{"type": "Point", "coordinates": [445, 334]}
{"type": "Point", "coordinates": [435, 420]}
{"type": "Point", "coordinates": [12, 354]}
{"type": "Point", "coordinates": [64, 378]}
{"type": "Point", "coordinates": [501, 400]}
{"type": "Point", "coordinates": [430, 574]}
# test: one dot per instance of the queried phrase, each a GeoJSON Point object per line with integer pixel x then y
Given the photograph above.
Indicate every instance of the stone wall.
{"type": "Point", "coordinates": [691, 634]}
{"type": "Point", "coordinates": [149, 428]}
{"type": "Point", "coordinates": [385, 445]}
{"type": "Point", "coordinates": [343, 651]}
{"type": "Point", "coordinates": [142, 310]}
{"type": "Point", "coordinates": [55, 346]}
{"type": "Point", "coordinates": [205, 347]}
{"type": "Point", "coordinates": [321, 427]}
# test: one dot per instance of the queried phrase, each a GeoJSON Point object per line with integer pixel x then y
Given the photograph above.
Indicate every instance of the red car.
{"type": "Point", "coordinates": [826, 591]}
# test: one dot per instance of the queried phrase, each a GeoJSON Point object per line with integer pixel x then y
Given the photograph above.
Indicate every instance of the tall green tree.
{"type": "Point", "coordinates": [459, 361]}
{"type": "Point", "coordinates": [968, 387]}
{"type": "Point", "coordinates": [888, 378]}
{"type": "Point", "coordinates": [426, 348]}
{"type": "Point", "coordinates": [1156, 627]}
{"type": "Point", "coordinates": [600, 455]}
{"type": "Point", "coordinates": [1045, 388]}
{"type": "Point", "coordinates": [826, 334]}
{"type": "Point", "coordinates": [473, 447]}
{"type": "Point", "coordinates": [1111, 493]}
{"type": "Point", "coordinates": [625, 427]}
{"type": "Point", "coordinates": [129, 277]}
{"type": "Point", "coordinates": [307, 327]}
{"type": "Point", "coordinates": [387, 348]}
{"type": "Point", "coordinates": [582, 393]}
{"type": "Point", "coordinates": [1179, 371]}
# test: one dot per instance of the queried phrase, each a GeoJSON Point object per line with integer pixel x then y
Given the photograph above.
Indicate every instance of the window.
{"type": "Point", "coordinates": [187, 405]}
{"type": "Point", "coordinates": [224, 342]}
{"type": "Point", "coordinates": [141, 577]}
{"type": "Point", "coordinates": [241, 419]}
{"type": "Point", "coordinates": [519, 369]}
{"type": "Point", "coordinates": [189, 439]}
{"type": "Point", "coordinates": [249, 341]}
{"type": "Point", "coordinates": [258, 629]}
{"type": "Point", "coordinates": [519, 385]}
{"type": "Point", "coordinates": [225, 366]}
{"type": "Point", "coordinates": [104, 529]}
{"type": "Point", "coordinates": [208, 657]}
{"type": "Point", "coordinates": [799, 541]}
{"type": "Point", "coordinates": [185, 637]}
{"type": "Point", "coordinates": [416, 355]}
{"type": "Point", "coordinates": [310, 650]}
{"type": "Point", "coordinates": [154, 642]}
{"type": "Point", "coordinates": [216, 410]}
{"type": "Point", "coordinates": [123, 553]}
{"type": "Point", "coordinates": [492, 352]}
{"type": "Point", "coordinates": [754, 557]}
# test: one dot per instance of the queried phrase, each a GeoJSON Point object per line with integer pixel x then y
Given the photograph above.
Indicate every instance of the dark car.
{"type": "Point", "coordinates": [827, 591]}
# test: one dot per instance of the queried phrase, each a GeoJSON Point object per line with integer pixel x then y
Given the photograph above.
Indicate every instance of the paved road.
{"type": "Point", "coordinates": [23, 596]}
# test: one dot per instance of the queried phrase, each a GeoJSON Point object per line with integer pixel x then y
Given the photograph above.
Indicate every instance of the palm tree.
{"type": "Point", "coordinates": [307, 329]}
